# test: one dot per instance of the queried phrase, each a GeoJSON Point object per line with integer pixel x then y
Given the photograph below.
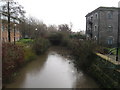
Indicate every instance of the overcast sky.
{"type": "Point", "coordinates": [64, 11]}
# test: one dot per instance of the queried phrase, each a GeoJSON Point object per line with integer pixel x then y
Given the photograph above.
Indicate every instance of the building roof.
{"type": "Point", "coordinates": [102, 8]}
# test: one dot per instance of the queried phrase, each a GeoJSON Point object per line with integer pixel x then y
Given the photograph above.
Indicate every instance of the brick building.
{"type": "Point", "coordinates": [14, 27]}
{"type": "Point", "coordinates": [102, 25]}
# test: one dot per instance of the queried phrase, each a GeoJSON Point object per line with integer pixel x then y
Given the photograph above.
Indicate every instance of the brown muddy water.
{"type": "Point", "coordinates": [52, 70]}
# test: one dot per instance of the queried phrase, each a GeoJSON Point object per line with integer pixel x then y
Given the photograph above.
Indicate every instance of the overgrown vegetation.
{"type": "Point", "coordinates": [83, 51]}
{"type": "Point", "coordinates": [40, 45]}
{"type": "Point", "coordinates": [12, 59]}
{"type": "Point", "coordinates": [27, 47]}
{"type": "Point", "coordinates": [59, 38]}
{"type": "Point", "coordinates": [15, 56]}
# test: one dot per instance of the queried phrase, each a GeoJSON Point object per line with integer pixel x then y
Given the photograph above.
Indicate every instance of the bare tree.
{"type": "Point", "coordinates": [52, 28]}
{"type": "Point", "coordinates": [33, 28]}
{"type": "Point", "coordinates": [64, 28]}
{"type": "Point", "coordinates": [14, 10]}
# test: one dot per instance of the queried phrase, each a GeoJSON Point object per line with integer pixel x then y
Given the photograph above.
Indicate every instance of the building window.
{"type": "Point", "coordinates": [110, 40]}
{"type": "Point", "coordinates": [110, 28]}
{"type": "Point", "coordinates": [91, 18]}
{"type": "Point", "coordinates": [96, 16]}
{"type": "Point", "coordinates": [110, 15]}
{"type": "Point", "coordinates": [2, 27]}
{"type": "Point", "coordinates": [95, 28]}
{"type": "Point", "coordinates": [95, 38]}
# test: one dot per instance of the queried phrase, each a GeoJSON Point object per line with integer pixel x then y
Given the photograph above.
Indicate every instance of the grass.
{"type": "Point", "coordinates": [113, 50]}
{"type": "Point", "coordinates": [28, 41]}
{"type": "Point", "coordinates": [28, 52]}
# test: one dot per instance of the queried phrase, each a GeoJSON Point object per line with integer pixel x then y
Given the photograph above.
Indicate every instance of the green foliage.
{"type": "Point", "coordinates": [40, 45]}
{"type": "Point", "coordinates": [105, 50]}
{"type": "Point", "coordinates": [29, 54]}
{"type": "Point", "coordinates": [26, 41]}
{"type": "Point", "coordinates": [113, 50]}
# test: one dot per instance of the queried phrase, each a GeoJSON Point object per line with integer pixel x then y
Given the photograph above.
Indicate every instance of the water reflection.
{"type": "Point", "coordinates": [52, 70]}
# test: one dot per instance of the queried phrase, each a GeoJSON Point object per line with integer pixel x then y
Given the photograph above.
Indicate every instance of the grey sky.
{"type": "Point", "coordinates": [64, 11]}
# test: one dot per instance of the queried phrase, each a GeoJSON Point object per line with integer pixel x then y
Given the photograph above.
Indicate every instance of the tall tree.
{"type": "Point", "coordinates": [52, 28]}
{"type": "Point", "coordinates": [64, 28]}
{"type": "Point", "coordinates": [33, 28]}
{"type": "Point", "coordinates": [14, 10]}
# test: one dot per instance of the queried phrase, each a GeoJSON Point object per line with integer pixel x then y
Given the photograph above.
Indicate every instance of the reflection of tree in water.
{"type": "Point", "coordinates": [84, 81]}
{"type": "Point", "coordinates": [37, 74]}
{"type": "Point", "coordinates": [31, 68]}
{"type": "Point", "coordinates": [62, 51]}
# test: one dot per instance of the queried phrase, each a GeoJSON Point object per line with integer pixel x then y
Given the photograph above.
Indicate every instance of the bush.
{"type": "Point", "coordinates": [83, 52]}
{"type": "Point", "coordinates": [40, 45]}
{"type": "Point", "coordinates": [25, 42]}
{"type": "Point", "coordinates": [12, 58]}
{"type": "Point", "coordinates": [59, 38]}
{"type": "Point", "coordinates": [55, 38]}
{"type": "Point", "coordinates": [29, 54]}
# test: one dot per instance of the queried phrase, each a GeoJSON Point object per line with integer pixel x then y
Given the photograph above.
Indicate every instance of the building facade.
{"type": "Point", "coordinates": [14, 29]}
{"type": "Point", "coordinates": [102, 25]}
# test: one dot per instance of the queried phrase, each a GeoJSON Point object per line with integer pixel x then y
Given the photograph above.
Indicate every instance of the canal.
{"type": "Point", "coordinates": [54, 69]}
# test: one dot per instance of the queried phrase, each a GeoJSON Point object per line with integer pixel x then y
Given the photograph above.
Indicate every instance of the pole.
{"type": "Point", "coordinates": [117, 49]}
{"type": "Point", "coordinates": [9, 39]}
{"type": "Point", "coordinates": [1, 49]}
{"type": "Point", "coordinates": [14, 31]}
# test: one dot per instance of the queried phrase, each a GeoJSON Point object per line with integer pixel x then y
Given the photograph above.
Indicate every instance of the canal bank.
{"type": "Point", "coordinates": [105, 72]}
{"type": "Point", "coordinates": [54, 69]}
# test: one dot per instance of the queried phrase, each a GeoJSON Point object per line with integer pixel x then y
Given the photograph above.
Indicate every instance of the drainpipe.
{"type": "Point", "coordinates": [117, 49]}
{"type": "Point", "coordinates": [1, 49]}
{"type": "Point", "coordinates": [98, 27]}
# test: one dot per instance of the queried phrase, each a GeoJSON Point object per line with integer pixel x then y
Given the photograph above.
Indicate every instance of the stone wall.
{"type": "Point", "coordinates": [105, 73]}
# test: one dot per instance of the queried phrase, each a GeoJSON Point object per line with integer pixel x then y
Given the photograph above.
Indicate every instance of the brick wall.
{"type": "Point", "coordinates": [5, 32]}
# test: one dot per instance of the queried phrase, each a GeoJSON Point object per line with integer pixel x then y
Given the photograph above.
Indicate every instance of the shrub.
{"type": "Point", "coordinates": [12, 58]}
{"type": "Point", "coordinates": [25, 42]}
{"type": "Point", "coordinates": [29, 54]}
{"type": "Point", "coordinates": [55, 38]}
{"type": "Point", "coordinates": [40, 45]}
{"type": "Point", "coordinates": [83, 52]}
{"type": "Point", "coordinates": [59, 38]}
{"type": "Point", "coordinates": [28, 51]}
